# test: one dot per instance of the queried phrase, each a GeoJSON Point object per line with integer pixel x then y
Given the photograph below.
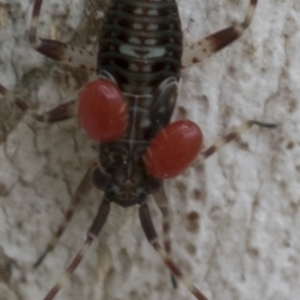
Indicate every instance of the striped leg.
{"type": "Point", "coordinates": [64, 53]}
{"type": "Point", "coordinates": [162, 203]}
{"type": "Point", "coordinates": [62, 112]}
{"type": "Point", "coordinates": [91, 236]}
{"type": "Point", "coordinates": [152, 237]}
{"type": "Point", "coordinates": [228, 138]}
{"type": "Point", "coordinates": [199, 51]}
{"type": "Point", "coordinates": [81, 191]}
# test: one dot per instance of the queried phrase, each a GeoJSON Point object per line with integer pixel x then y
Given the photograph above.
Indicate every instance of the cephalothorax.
{"type": "Point", "coordinates": [128, 110]}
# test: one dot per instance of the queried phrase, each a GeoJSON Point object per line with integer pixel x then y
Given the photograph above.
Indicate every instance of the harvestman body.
{"type": "Point", "coordinates": [128, 110]}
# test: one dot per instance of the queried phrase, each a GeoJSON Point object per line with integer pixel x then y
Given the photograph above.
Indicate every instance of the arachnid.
{"type": "Point", "coordinates": [157, 224]}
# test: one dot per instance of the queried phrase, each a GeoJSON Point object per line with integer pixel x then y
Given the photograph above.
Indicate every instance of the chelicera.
{"type": "Point", "coordinates": [128, 108]}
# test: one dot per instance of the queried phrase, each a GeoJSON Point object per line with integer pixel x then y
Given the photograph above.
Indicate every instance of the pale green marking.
{"type": "Point", "coordinates": [152, 27]}
{"type": "Point", "coordinates": [133, 67]}
{"type": "Point", "coordinates": [133, 51]}
{"type": "Point", "coordinates": [137, 26]}
{"type": "Point", "coordinates": [138, 11]}
{"type": "Point", "coordinates": [135, 40]}
{"type": "Point", "coordinates": [151, 42]}
{"type": "Point", "coordinates": [147, 68]}
{"type": "Point", "coordinates": [153, 12]}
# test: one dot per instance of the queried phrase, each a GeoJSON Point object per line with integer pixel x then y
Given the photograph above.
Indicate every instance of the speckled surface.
{"type": "Point", "coordinates": [235, 221]}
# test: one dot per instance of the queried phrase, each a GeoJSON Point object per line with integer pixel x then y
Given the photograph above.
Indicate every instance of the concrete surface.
{"type": "Point", "coordinates": [235, 222]}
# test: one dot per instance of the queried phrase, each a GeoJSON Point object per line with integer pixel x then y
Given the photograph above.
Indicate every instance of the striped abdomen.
{"type": "Point", "coordinates": [141, 44]}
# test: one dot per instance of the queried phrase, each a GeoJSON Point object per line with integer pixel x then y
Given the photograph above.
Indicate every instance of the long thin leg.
{"type": "Point", "coordinates": [62, 112]}
{"type": "Point", "coordinates": [199, 51]}
{"type": "Point", "coordinates": [74, 56]}
{"type": "Point", "coordinates": [82, 190]}
{"type": "Point", "coordinates": [91, 236]}
{"type": "Point", "coordinates": [228, 138]}
{"type": "Point", "coordinates": [152, 237]}
{"type": "Point", "coordinates": [160, 198]}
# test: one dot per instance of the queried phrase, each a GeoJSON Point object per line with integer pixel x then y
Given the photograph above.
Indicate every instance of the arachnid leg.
{"type": "Point", "coordinates": [83, 188]}
{"type": "Point", "coordinates": [92, 234]}
{"type": "Point", "coordinates": [199, 51]}
{"type": "Point", "coordinates": [161, 200]}
{"type": "Point", "coordinates": [229, 137]}
{"type": "Point", "coordinates": [152, 237]}
{"type": "Point", "coordinates": [61, 112]}
{"type": "Point", "coordinates": [73, 56]}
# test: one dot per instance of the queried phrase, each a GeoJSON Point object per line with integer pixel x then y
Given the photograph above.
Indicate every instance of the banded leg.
{"type": "Point", "coordinates": [161, 201]}
{"type": "Point", "coordinates": [199, 51]}
{"type": "Point", "coordinates": [62, 112]}
{"type": "Point", "coordinates": [74, 56]}
{"type": "Point", "coordinates": [152, 237]}
{"type": "Point", "coordinates": [228, 138]}
{"type": "Point", "coordinates": [81, 191]}
{"type": "Point", "coordinates": [93, 232]}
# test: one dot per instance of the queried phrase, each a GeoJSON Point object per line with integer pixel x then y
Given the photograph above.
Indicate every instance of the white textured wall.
{"type": "Point", "coordinates": [246, 243]}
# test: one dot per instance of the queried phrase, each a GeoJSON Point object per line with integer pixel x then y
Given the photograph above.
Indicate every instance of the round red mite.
{"type": "Point", "coordinates": [102, 110]}
{"type": "Point", "coordinates": [173, 149]}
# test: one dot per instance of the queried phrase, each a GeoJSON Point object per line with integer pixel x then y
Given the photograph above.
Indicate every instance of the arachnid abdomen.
{"type": "Point", "coordinates": [141, 44]}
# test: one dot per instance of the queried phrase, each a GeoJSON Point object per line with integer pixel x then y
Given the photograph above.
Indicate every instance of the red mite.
{"type": "Point", "coordinates": [102, 111]}
{"type": "Point", "coordinates": [173, 150]}
{"type": "Point", "coordinates": [128, 111]}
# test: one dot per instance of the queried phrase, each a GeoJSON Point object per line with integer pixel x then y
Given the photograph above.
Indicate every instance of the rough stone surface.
{"type": "Point", "coordinates": [235, 221]}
